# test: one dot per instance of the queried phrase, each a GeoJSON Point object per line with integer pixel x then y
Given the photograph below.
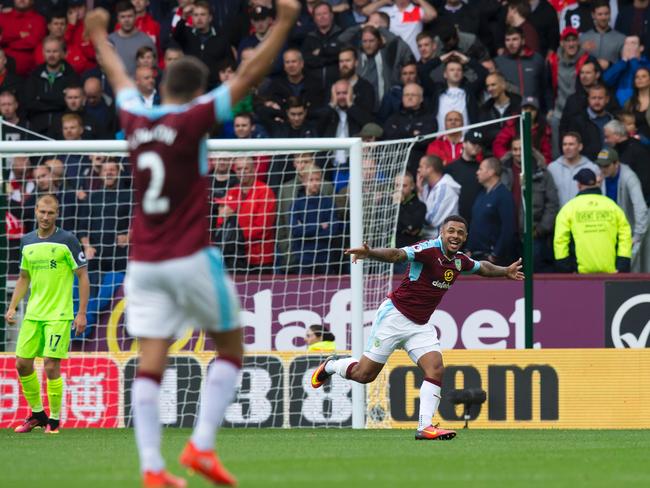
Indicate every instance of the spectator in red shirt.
{"type": "Point", "coordinates": [254, 204]}
{"type": "Point", "coordinates": [244, 128]}
{"type": "Point", "coordinates": [449, 147]}
{"type": "Point", "coordinates": [80, 51]}
{"type": "Point", "coordinates": [184, 12]}
{"type": "Point", "coordinates": [22, 30]}
{"type": "Point", "coordinates": [57, 27]}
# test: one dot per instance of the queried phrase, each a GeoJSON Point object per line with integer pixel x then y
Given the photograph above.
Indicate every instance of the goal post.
{"type": "Point", "coordinates": [353, 148]}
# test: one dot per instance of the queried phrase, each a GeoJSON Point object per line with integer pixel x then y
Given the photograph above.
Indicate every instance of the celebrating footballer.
{"type": "Point", "coordinates": [402, 320]}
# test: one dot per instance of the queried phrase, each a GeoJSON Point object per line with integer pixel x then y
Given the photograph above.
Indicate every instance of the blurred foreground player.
{"type": "Point", "coordinates": [173, 276]}
{"type": "Point", "coordinates": [402, 320]}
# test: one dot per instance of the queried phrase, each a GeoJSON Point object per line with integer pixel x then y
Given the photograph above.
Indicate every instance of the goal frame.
{"type": "Point", "coordinates": [351, 144]}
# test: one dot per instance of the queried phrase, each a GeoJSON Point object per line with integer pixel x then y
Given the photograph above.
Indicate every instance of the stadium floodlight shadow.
{"type": "Point", "coordinates": [471, 398]}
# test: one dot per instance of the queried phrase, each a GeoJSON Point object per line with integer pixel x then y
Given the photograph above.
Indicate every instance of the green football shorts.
{"type": "Point", "coordinates": [44, 338]}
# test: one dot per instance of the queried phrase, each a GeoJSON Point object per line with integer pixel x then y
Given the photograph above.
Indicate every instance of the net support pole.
{"type": "Point", "coordinates": [527, 166]}
{"type": "Point", "coordinates": [356, 279]}
{"type": "Point", "coordinates": [4, 173]}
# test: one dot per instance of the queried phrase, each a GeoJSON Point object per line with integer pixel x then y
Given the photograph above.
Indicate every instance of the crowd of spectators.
{"type": "Point", "coordinates": [379, 69]}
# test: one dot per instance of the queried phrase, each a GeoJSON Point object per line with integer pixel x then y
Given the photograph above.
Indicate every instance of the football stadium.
{"type": "Point", "coordinates": [324, 243]}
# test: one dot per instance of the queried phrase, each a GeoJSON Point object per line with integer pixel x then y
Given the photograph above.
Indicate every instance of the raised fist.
{"type": "Point", "coordinates": [97, 21]}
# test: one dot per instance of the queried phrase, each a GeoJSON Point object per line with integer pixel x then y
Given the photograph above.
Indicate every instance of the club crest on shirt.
{"type": "Point", "coordinates": [459, 264]}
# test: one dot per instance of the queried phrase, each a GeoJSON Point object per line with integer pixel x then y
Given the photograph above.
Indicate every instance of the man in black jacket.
{"type": "Point", "coordinates": [588, 75]}
{"type": "Point", "coordinates": [463, 170]}
{"type": "Point", "coordinates": [294, 83]}
{"type": "Point", "coordinates": [203, 41]}
{"type": "Point", "coordinates": [321, 47]}
{"type": "Point", "coordinates": [333, 123]}
{"type": "Point", "coordinates": [546, 204]}
{"type": "Point", "coordinates": [411, 217]}
{"type": "Point", "coordinates": [413, 119]}
{"type": "Point", "coordinates": [631, 152]}
{"type": "Point", "coordinates": [75, 102]}
{"type": "Point", "coordinates": [296, 124]}
{"type": "Point", "coordinates": [364, 92]}
{"type": "Point", "coordinates": [590, 122]}
{"type": "Point", "coordinates": [501, 103]}
{"type": "Point", "coordinates": [97, 107]}
{"type": "Point", "coordinates": [46, 86]}
{"type": "Point", "coordinates": [343, 118]}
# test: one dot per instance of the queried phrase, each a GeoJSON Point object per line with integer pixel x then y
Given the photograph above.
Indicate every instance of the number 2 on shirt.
{"type": "Point", "coordinates": [152, 202]}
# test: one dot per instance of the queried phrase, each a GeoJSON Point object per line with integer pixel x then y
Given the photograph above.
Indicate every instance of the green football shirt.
{"type": "Point", "coordinates": [51, 263]}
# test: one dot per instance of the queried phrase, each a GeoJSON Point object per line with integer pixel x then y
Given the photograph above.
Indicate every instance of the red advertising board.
{"type": "Point", "coordinates": [91, 393]}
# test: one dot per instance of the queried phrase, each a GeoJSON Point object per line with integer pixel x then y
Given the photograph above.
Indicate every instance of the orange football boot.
{"type": "Point", "coordinates": [320, 376]}
{"type": "Point", "coordinates": [207, 463]}
{"type": "Point", "coordinates": [434, 433]}
{"type": "Point", "coordinates": [162, 479]}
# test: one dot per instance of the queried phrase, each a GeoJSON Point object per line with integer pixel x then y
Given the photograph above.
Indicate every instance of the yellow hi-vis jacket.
{"type": "Point", "coordinates": [322, 346]}
{"type": "Point", "coordinates": [599, 229]}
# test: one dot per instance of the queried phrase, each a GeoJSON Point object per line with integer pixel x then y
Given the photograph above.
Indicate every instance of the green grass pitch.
{"type": "Point", "coordinates": [341, 458]}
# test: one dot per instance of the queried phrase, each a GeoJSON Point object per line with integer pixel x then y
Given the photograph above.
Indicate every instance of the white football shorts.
{"type": "Point", "coordinates": [165, 298]}
{"type": "Point", "coordinates": [391, 330]}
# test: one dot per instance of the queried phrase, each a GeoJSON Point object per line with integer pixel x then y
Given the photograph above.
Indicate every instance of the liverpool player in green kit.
{"type": "Point", "coordinates": [50, 258]}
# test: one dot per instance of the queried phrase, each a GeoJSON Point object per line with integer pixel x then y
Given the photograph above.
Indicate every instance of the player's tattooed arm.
{"type": "Point", "coordinates": [384, 254]}
{"type": "Point", "coordinates": [512, 272]}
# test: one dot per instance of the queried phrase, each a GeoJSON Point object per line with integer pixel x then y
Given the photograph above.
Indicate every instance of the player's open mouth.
{"type": "Point", "coordinates": [453, 243]}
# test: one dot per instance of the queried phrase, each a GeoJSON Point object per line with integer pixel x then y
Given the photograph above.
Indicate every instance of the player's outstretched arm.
{"type": "Point", "coordinates": [512, 272]}
{"type": "Point", "coordinates": [384, 254]}
{"type": "Point", "coordinates": [249, 74]}
{"type": "Point", "coordinates": [97, 31]}
{"type": "Point", "coordinates": [22, 285]}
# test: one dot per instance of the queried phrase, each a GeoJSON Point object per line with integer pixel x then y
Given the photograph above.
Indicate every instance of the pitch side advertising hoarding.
{"type": "Point", "coordinates": [473, 315]}
{"type": "Point", "coordinates": [550, 388]}
{"type": "Point", "coordinates": [627, 314]}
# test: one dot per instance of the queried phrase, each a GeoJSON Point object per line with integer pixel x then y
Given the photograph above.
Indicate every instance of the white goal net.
{"type": "Point", "coordinates": [282, 213]}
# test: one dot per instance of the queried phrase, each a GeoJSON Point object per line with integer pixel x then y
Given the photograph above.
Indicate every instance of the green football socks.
{"type": "Point", "coordinates": [54, 396]}
{"type": "Point", "coordinates": [32, 392]}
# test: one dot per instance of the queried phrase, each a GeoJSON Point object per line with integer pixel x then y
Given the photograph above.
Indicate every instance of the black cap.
{"type": "Point", "coordinates": [260, 12]}
{"type": "Point", "coordinates": [474, 136]}
{"type": "Point", "coordinates": [76, 3]}
{"type": "Point", "coordinates": [585, 177]}
{"type": "Point", "coordinates": [530, 102]}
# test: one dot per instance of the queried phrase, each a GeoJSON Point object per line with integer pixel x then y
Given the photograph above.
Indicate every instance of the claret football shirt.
{"type": "Point", "coordinates": [431, 273]}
